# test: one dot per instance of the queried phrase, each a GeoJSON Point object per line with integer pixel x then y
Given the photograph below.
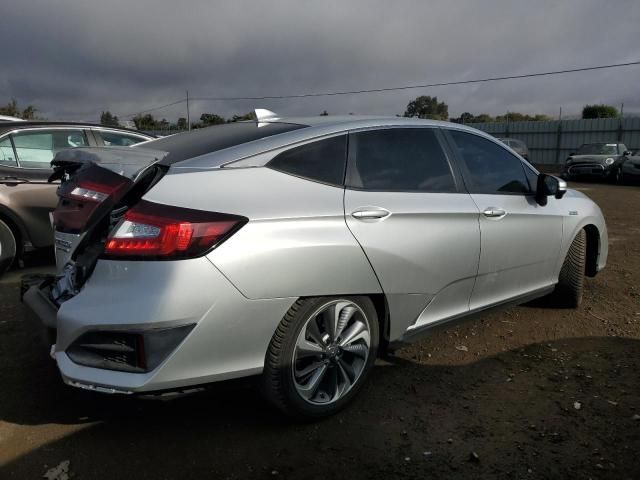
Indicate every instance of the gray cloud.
{"type": "Point", "coordinates": [74, 59]}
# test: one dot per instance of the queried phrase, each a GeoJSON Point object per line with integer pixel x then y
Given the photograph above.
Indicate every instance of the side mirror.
{"type": "Point", "coordinates": [549, 185]}
{"type": "Point", "coordinates": [626, 153]}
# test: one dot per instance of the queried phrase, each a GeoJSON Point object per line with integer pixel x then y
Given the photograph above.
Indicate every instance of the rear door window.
{"type": "Point", "coordinates": [7, 156]}
{"type": "Point", "coordinates": [36, 149]}
{"type": "Point", "coordinates": [488, 167]}
{"type": "Point", "coordinates": [117, 139]}
{"type": "Point", "coordinates": [322, 161]}
{"type": "Point", "coordinates": [399, 160]}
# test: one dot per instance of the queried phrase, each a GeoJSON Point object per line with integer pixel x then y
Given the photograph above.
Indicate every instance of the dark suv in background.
{"type": "Point", "coordinates": [597, 160]}
{"type": "Point", "coordinates": [26, 197]}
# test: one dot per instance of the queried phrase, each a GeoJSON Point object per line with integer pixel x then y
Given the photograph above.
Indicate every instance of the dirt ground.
{"type": "Point", "coordinates": [531, 392]}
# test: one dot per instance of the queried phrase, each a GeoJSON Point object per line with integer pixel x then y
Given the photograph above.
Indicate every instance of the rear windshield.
{"type": "Point", "coordinates": [183, 146]}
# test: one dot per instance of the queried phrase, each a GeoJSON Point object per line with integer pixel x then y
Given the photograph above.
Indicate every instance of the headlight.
{"type": "Point", "coordinates": [609, 161]}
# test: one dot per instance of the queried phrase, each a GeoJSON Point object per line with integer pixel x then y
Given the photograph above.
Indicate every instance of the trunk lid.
{"type": "Point", "coordinates": [97, 187]}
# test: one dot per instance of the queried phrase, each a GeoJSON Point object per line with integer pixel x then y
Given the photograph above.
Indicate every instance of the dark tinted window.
{"type": "Point", "coordinates": [115, 139]}
{"type": "Point", "coordinates": [532, 177]}
{"type": "Point", "coordinates": [183, 146]}
{"type": "Point", "coordinates": [323, 161]}
{"type": "Point", "coordinates": [399, 159]}
{"type": "Point", "coordinates": [491, 168]}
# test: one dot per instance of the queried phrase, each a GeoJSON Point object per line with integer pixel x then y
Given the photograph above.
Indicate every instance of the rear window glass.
{"type": "Point", "coordinates": [183, 146]}
{"type": "Point", "coordinates": [323, 161]}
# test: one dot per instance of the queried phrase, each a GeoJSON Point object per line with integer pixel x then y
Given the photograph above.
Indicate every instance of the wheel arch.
{"type": "Point", "coordinates": [17, 228]}
{"type": "Point", "coordinates": [593, 249]}
{"type": "Point", "coordinates": [382, 310]}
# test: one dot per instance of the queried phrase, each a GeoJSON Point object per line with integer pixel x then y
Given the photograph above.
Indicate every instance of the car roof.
{"type": "Point", "coordinates": [311, 128]}
{"type": "Point", "coordinates": [11, 125]}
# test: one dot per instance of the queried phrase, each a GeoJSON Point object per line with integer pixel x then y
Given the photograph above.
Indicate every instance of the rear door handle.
{"type": "Point", "coordinates": [369, 213]}
{"type": "Point", "coordinates": [494, 212]}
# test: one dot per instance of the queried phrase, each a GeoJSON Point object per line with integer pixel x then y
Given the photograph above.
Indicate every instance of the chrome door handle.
{"type": "Point", "coordinates": [494, 212]}
{"type": "Point", "coordinates": [370, 213]}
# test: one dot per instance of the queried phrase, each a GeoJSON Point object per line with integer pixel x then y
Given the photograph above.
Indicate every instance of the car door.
{"type": "Point", "coordinates": [405, 205]}
{"type": "Point", "coordinates": [28, 194]}
{"type": "Point", "coordinates": [520, 240]}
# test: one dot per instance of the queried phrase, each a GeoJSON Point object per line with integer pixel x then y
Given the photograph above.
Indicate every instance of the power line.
{"type": "Point", "coordinates": [427, 85]}
{"type": "Point", "coordinates": [404, 87]}
{"type": "Point", "coordinates": [153, 109]}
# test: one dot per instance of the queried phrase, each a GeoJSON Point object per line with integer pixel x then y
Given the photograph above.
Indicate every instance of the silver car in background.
{"type": "Point", "coordinates": [297, 249]}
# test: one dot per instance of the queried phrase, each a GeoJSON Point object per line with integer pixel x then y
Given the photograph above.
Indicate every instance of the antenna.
{"type": "Point", "coordinates": [264, 114]}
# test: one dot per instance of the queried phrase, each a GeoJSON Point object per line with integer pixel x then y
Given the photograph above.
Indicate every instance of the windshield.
{"type": "Point", "coordinates": [598, 149]}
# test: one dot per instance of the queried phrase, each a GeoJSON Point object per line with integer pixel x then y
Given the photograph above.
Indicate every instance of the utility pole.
{"type": "Point", "coordinates": [188, 115]}
{"type": "Point", "coordinates": [560, 114]}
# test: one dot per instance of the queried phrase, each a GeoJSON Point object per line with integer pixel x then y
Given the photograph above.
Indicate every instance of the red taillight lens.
{"type": "Point", "coordinates": [84, 201]}
{"type": "Point", "coordinates": [166, 232]}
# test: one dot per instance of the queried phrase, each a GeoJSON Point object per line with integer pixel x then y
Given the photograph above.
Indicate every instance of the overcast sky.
{"type": "Point", "coordinates": [73, 59]}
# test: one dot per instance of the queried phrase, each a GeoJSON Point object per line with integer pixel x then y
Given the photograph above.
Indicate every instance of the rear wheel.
{"type": "Point", "coordinates": [8, 247]}
{"type": "Point", "coordinates": [320, 355]}
{"type": "Point", "coordinates": [571, 279]}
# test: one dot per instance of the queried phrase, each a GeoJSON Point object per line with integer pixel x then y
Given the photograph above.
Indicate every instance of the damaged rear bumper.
{"type": "Point", "coordinates": [224, 334]}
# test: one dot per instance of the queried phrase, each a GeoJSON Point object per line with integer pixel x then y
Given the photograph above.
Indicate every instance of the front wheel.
{"type": "Point", "coordinates": [320, 355]}
{"type": "Point", "coordinates": [8, 247]}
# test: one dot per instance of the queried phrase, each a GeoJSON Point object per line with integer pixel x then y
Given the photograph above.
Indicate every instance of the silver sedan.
{"type": "Point", "coordinates": [298, 249]}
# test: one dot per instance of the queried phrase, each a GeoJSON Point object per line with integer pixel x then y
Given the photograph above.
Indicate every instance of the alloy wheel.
{"type": "Point", "coordinates": [331, 352]}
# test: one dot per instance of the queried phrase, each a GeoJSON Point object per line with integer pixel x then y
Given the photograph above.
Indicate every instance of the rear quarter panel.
{"type": "Point", "coordinates": [296, 242]}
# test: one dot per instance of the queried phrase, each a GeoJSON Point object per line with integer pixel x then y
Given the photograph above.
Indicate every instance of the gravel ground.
{"type": "Point", "coordinates": [535, 393]}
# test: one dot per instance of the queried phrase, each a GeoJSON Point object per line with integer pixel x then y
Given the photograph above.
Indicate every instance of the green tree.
{"type": "Point", "coordinates": [10, 109]}
{"type": "Point", "coordinates": [522, 117]}
{"type": "Point", "coordinates": [182, 123]}
{"type": "Point", "coordinates": [146, 122]}
{"type": "Point", "coordinates": [211, 119]}
{"type": "Point", "coordinates": [29, 113]}
{"type": "Point", "coordinates": [107, 118]}
{"type": "Point", "coordinates": [467, 117]}
{"type": "Point", "coordinates": [600, 111]}
{"type": "Point", "coordinates": [427, 107]}
{"type": "Point", "coordinates": [240, 118]}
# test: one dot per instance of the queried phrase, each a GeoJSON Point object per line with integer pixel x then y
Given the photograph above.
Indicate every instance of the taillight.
{"type": "Point", "coordinates": [83, 202]}
{"type": "Point", "coordinates": [153, 230]}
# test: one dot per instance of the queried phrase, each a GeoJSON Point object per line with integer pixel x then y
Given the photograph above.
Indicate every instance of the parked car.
{"type": "Point", "coordinates": [298, 249]}
{"type": "Point", "coordinates": [26, 198]}
{"type": "Point", "coordinates": [630, 169]}
{"type": "Point", "coordinates": [597, 160]}
{"type": "Point", "coordinates": [517, 146]}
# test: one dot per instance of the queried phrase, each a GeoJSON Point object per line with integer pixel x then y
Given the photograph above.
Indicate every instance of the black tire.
{"type": "Point", "coordinates": [8, 247]}
{"type": "Point", "coordinates": [570, 285]}
{"type": "Point", "coordinates": [278, 385]}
